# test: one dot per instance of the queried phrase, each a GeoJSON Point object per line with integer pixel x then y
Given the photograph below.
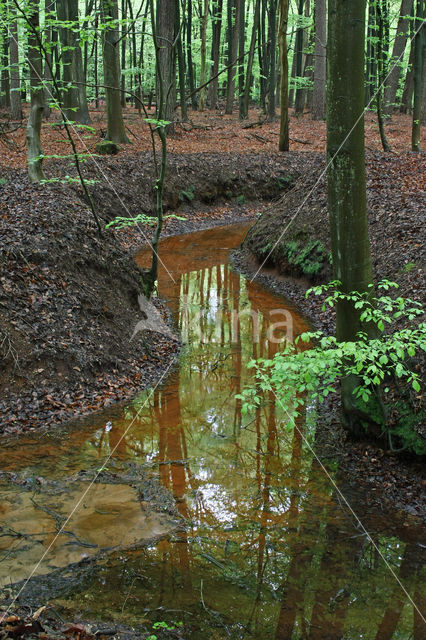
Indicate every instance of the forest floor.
{"type": "Point", "coordinates": [69, 302]}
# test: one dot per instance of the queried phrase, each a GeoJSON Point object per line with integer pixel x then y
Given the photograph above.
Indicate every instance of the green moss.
{"type": "Point", "coordinates": [107, 147]}
{"type": "Point", "coordinates": [187, 195]}
{"type": "Point", "coordinates": [241, 199]}
{"type": "Point", "coordinates": [309, 257]}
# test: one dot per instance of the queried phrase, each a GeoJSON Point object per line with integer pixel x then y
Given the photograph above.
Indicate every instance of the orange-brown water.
{"type": "Point", "coordinates": [268, 550]}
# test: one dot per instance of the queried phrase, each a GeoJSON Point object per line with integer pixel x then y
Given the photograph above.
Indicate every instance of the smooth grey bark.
{"type": "Point", "coordinates": [320, 63]}
{"type": "Point", "coordinates": [35, 169]}
{"type": "Point", "coordinates": [418, 67]}
{"type": "Point", "coordinates": [346, 178]}
{"type": "Point", "coordinates": [115, 123]}
{"type": "Point", "coordinates": [284, 140]}
{"type": "Point", "coordinates": [241, 49]}
{"type": "Point", "coordinates": [15, 81]}
{"type": "Point", "coordinates": [69, 88]}
{"type": "Point", "coordinates": [395, 63]}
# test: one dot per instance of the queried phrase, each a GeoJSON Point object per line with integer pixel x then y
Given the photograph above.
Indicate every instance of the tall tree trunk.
{"type": "Point", "coordinates": [181, 64]}
{"type": "Point", "coordinates": [115, 123]}
{"type": "Point", "coordinates": [381, 72]}
{"type": "Point", "coordinates": [318, 110]}
{"type": "Point", "coordinates": [215, 53]}
{"type": "Point", "coordinates": [49, 14]}
{"type": "Point", "coordinates": [407, 94]}
{"type": "Point", "coordinates": [167, 58]}
{"type": "Point", "coordinates": [299, 57]}
{"type": "Point", "coordinates": [249, 71]}
{"type": "Point", "coordinates": [262, 51]}
{"type": "Point", "coordinates": [35, 169]}
{"type": "Point", "coordinates": [5, 80]}
{"type": "Point", "coordinates": [123, 50]}
{"type": "Point", "coordinates": [272, 33]}
{"type": "Point", "coordinates": [395, 63]}
{"type": "Point", "coordinates": [69, 88]}
{"type": "Point", "coordinates": [346, 177]}
{"type": "Point", "coordinates": [15, 82]}
{"type": "Point", "coordinates": [371, 66]}
{"type": "Point", "coordinates": [241, 50]}
{"type": "Point", "coordinates": [191, 80]}
{"type": "Point", "coordinates": [203, 53]}
{"type": "Point", "coordinates": [419, 55]}
{"type": "Point", "coordinates": [233, 29]}
{"type": "Point", "coordinates": [82, 113]}
{"type": "Point", "coordinates": [284, 139]}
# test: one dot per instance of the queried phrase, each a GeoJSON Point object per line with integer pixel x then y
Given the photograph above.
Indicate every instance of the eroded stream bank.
{"type": "Point", "coordinates": [256, 543]}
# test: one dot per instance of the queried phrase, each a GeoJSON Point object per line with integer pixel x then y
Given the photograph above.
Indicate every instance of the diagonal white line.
{"type": "Point", "coordinates": [294, 216]}
{"type": "Point", "coordinates": [80, 500]}
{"type": "Point", "coordinates": [348, 505]}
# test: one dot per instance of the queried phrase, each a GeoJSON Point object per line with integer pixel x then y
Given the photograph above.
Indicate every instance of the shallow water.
{"type": "Point", "coordinates": [269, 549]}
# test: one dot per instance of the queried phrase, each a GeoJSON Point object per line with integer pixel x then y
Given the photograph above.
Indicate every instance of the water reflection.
{"type": "Point", "coordinates": [267, 551]}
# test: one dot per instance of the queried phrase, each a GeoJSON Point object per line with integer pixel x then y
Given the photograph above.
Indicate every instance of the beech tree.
{"type": "Point", "coordinates": [115, 123]}
{"type": "Point", "coordinates": [318, 109]}
{"type": "Point", "coordinates": [34, 152]}
{"type": "Point", "coordinates": [346, 178]}
{"type": "Point", "coordinates": [284, 140]}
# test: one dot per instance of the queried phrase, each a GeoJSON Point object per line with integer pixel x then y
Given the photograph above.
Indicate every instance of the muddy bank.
{"type": "Point", "coordinates": [293, 234]}
{"type": "Point", "coordinates": [124, 185]}
{"type": "Point", "coordinates": [68, 309]}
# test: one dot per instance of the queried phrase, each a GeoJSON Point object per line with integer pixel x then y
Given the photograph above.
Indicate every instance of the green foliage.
{"type": "Point", "coordinates": [296, 377]}
{"type": "Point", "coordinates": [121, 222]}
{"type": "Point", "coordinates": [309, 258]}
{"type": "Point", "coordinates": [409, 267]}
{"type": "Point", "coordinates": [241, 199]}
{"type": "Point", "coordinates": [187, 194]}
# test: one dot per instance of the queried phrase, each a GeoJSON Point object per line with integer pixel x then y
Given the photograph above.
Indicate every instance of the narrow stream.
{"type": "Point", "coordinates": [268, 551]}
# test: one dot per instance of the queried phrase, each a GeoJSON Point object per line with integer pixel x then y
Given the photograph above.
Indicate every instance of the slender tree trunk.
{"type": "Point", "coordinates": [284, 139]}
{"type": "Point", "coordinates": [272, 33]}
{"type": "Point", "coordinates": [203, 63]}
{"type": "Point", "coordinates": [167, 58]}
{"type": "Point", "coordinates": [123, 50]}
{"type": "Point", "coordinates": [215, 53]}
{"type": "Point", "coordinates": [181, 65]}
{"type": "Point", "coordinates": [371, 66]}
{"type": "Point", "coordinates": [346, 178]}
{"type": "Point", "coordinates": [299, 58]}
{"type": "Point", "coordinates": [318, 110]}
{"type": "Point", "coordinates": [69, 88]}
{"type": "Point", "coordinates": [5, 79]}
{"type": "Point", "coordinates": [233, 29]}
{"type": "Point", "coordinates": [49, 12]}
{"type": "Point", "coordinates": [262, 51]}
{"type": "Point", "coordinates": [418, 66]}
{"type": "Point", "coordinates": [250, 60]}
{"type": "Point", "coordinates": [241, 49]}
{"type": "Point", "coordinates": [395, 63]}
{"type": "Point", "coordinates": [191, 80]}
{"type": "Point", "coordinates": [82, 114]}
{"type": "Point", "coordinates": [35, 169]}
{"type": "Point", "coordinates": [381, 71]}
{"type": "Point", "coordinates": [407, 94]}
{"type": "Point", "coordinates": [15, 82]}
{"type": "Point", "coordinates": [115, 123]}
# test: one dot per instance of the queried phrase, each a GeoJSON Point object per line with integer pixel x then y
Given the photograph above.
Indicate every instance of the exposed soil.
{"type": "Point", "coordinates": [68, 308]}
